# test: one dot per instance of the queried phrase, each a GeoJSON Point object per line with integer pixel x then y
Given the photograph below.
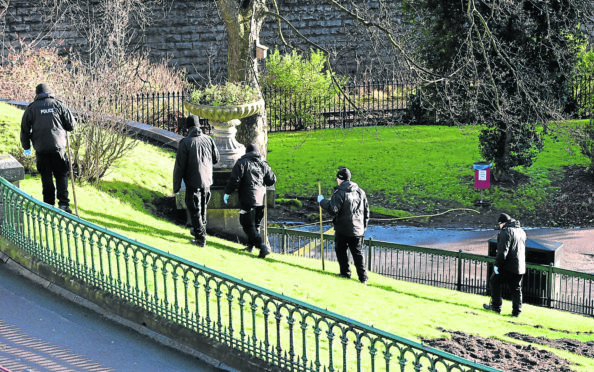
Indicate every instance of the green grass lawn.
{"type": "Point", "coordinates": [121, 203]}
{"type": "Point", "coordinates": [406, 168]}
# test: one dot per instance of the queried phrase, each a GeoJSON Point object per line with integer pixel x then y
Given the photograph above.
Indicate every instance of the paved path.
{"type": "Point", "coordinates": [42, 331]}
{"type": "Point", "coordinates": [577, 252]}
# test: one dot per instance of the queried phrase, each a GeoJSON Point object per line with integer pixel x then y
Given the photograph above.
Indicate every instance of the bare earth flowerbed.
{"type": "Point", "coordinates": [512, 357]}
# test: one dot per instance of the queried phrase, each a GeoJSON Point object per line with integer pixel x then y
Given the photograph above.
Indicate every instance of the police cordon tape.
{"type": "Point", "coordinates": [395, 218]}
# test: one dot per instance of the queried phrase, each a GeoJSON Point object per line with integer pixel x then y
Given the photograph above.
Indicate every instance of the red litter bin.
{"type": "Point", "coordinates": [482, 175]}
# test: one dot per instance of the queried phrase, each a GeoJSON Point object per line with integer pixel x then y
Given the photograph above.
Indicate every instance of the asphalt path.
{"type": "Point", "coordinates": [43, 331]}
{"type": "Point", "coordinates": [576, 251]}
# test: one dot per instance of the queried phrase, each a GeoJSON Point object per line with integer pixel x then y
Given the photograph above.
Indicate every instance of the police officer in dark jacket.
{"type": "Point", "coordinates": [196, 154]}
{"type": "Point", "coordinates": [510, 264]}
{"type": "Point", "coordinates": [250, 176]}
{"type": "Point", "coordinates": [45, 123]}
{"type": "Point", "coordinates": [350, 210]}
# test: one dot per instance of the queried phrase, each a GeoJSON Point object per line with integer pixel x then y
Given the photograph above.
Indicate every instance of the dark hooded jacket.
{"type": "Point", "coordinates": [250, 176]}
{"type": "Point", "coordinates": [349, 208]}
{"type": "Point", "coordinates": [511, 248]}
{"type": "Point", "coordinates": [45, 123]}
{"type": "Point", "coordinates": [196, 154]}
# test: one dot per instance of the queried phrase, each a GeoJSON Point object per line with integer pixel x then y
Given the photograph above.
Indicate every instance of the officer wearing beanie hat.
{"type": "Point", "coordinates": [196, 155]}
{"type": "Point", "coordinates": [250, 176]}
{"type": "Point", "coordinates": [350, 211]}
{"type": "Point", "coordinates": [504, 218]}
{"type": "Point", "coordinates": [44, 125]}
{"type": "Point", "coordinates": [193, 121]}
{"type": "Point", "coordinates": [510, 264]}
{"type": "Point", "coordinates": [344, 174]}
{"type": "Point", "coordinates": [42, 88]}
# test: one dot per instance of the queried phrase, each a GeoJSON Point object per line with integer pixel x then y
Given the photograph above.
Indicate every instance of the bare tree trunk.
{"type": "Point", "coordinates": [502, 161]}
{"type": "Point", "coordinates": [243, 25]}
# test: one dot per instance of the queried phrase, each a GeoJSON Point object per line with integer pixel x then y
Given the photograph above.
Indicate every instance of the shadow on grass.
{"type": "Point", "coordinates": [270, 258]}
{"type": "Point", "coordinates": [131, 194]}
{"type": "Point", "coordinates": [125, 226]}
{"type": "Point", "coordinates": [371, 284]}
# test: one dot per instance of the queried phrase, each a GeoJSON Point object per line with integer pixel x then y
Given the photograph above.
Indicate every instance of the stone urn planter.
{"type": "Point", "coordinates": [224, 106]}
{"type": "Point", "coordinates": [224, 120]}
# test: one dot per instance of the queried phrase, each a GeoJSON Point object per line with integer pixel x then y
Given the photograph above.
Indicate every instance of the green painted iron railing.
{"type": "Point", "coordinates": [542, 285]}
{"type": "Point", "coordinates": [282, 331]}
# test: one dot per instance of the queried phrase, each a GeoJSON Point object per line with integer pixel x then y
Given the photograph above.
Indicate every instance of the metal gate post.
{"type": "Point", "coordinates": [370, 254]}
{"type": "Point", "coordinates": [459, 281]}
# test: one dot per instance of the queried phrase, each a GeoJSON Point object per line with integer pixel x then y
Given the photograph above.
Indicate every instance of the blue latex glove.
{"type": "Point", "coordinates": [226, 198]}
{"type": "Point", "coordinates": [496, 270]}
{"type": "Point", "coordinates": [320, 198]}
{"type": "Point", "coordinates": [27, 153]}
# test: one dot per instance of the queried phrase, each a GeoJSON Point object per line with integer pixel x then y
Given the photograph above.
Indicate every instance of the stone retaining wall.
{"type": "Point", "coordinates": [192, 35]}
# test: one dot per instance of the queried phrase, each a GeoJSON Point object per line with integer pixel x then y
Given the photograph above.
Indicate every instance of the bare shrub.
{"type": "Point", "coordinates": [101, 137]}
{"type": "Point", "coordinates": [96, 144]}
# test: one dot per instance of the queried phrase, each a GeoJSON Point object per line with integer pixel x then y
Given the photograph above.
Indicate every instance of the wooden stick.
{"type": "Point", "coordinates": [71, 175]}
{"type": "Point", "coordinates": [266, 218]}
{"type": "Point", "coordinates": [321, 228]}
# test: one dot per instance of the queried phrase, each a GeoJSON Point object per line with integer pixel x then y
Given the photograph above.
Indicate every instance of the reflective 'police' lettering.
{"type": "Point", "coordinates": [47, 111]}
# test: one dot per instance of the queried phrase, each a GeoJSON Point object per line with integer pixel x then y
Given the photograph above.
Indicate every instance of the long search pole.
{"type": "Point", "coordinates": [321, 227]}
{"type": "Point", "coordinates": [71, 175]}
{"type": "Point", "coordinates": [266, 218]}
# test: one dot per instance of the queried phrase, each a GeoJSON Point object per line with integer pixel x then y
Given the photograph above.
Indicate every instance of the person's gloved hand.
{"type": "Point", "coordinates": [320, 198]}
{"type": "Point", "coordinates": [27, 153]}
{"type": "Point", "coordinates": [226, 198]}
{"type": "Point", "coordinates": [496, 270]}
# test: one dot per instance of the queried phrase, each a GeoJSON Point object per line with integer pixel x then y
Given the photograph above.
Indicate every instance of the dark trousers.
{"type": "Point", "coordinates": [196, 201]}
{"type": "Point", "coordinates": [50, 166]}
{"type": "Point", "coordinates": [514, 282]}
{"type": "Point", "coordinates": [250, 223]}
{"type": "Point", "coordinates": [355, 245]}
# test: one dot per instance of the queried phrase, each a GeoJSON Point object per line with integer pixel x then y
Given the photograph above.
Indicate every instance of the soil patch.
{"type": "Point", "coordinates": [573, 203]}
{"type": "Point", "coordinates": [502, 355]}
{"type": "Point", "coordinates": [166, 208]}
{"type": "Point", "coordinates": [577, 347]}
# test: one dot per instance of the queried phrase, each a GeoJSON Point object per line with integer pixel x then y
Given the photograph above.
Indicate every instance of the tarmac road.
{"type": "Point", "coordinates": [42, 331]}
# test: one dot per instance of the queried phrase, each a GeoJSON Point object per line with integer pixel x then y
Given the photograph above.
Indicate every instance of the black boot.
{"type": "Point", "coordinates": [264, 251]}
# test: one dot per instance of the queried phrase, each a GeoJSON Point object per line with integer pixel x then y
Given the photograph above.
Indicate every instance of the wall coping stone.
{"type": "Point", "coordinates": [11, 169]}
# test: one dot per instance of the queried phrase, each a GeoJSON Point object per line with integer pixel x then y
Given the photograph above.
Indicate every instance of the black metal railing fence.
{"type": "Point", "coordinates": [582, 89]}
{"type": "Point", "coordinates": [162, 110]}
{"type": "Point", "coordinates": [362, 104]}
{"type": "Point", "coordinates": [367, 103]}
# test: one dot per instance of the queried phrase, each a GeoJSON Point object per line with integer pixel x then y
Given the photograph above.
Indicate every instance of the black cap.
{"type": "Point", "coordinates": [252, 147]}
{"type": "Point", "coordinates": [344, 174]}
{"type": "Point", "coordinates": [503, 217]}
{"type": "Point", "coordinates": [192, 121]}
{"type": "Point", "coordinates": [42, 88]}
